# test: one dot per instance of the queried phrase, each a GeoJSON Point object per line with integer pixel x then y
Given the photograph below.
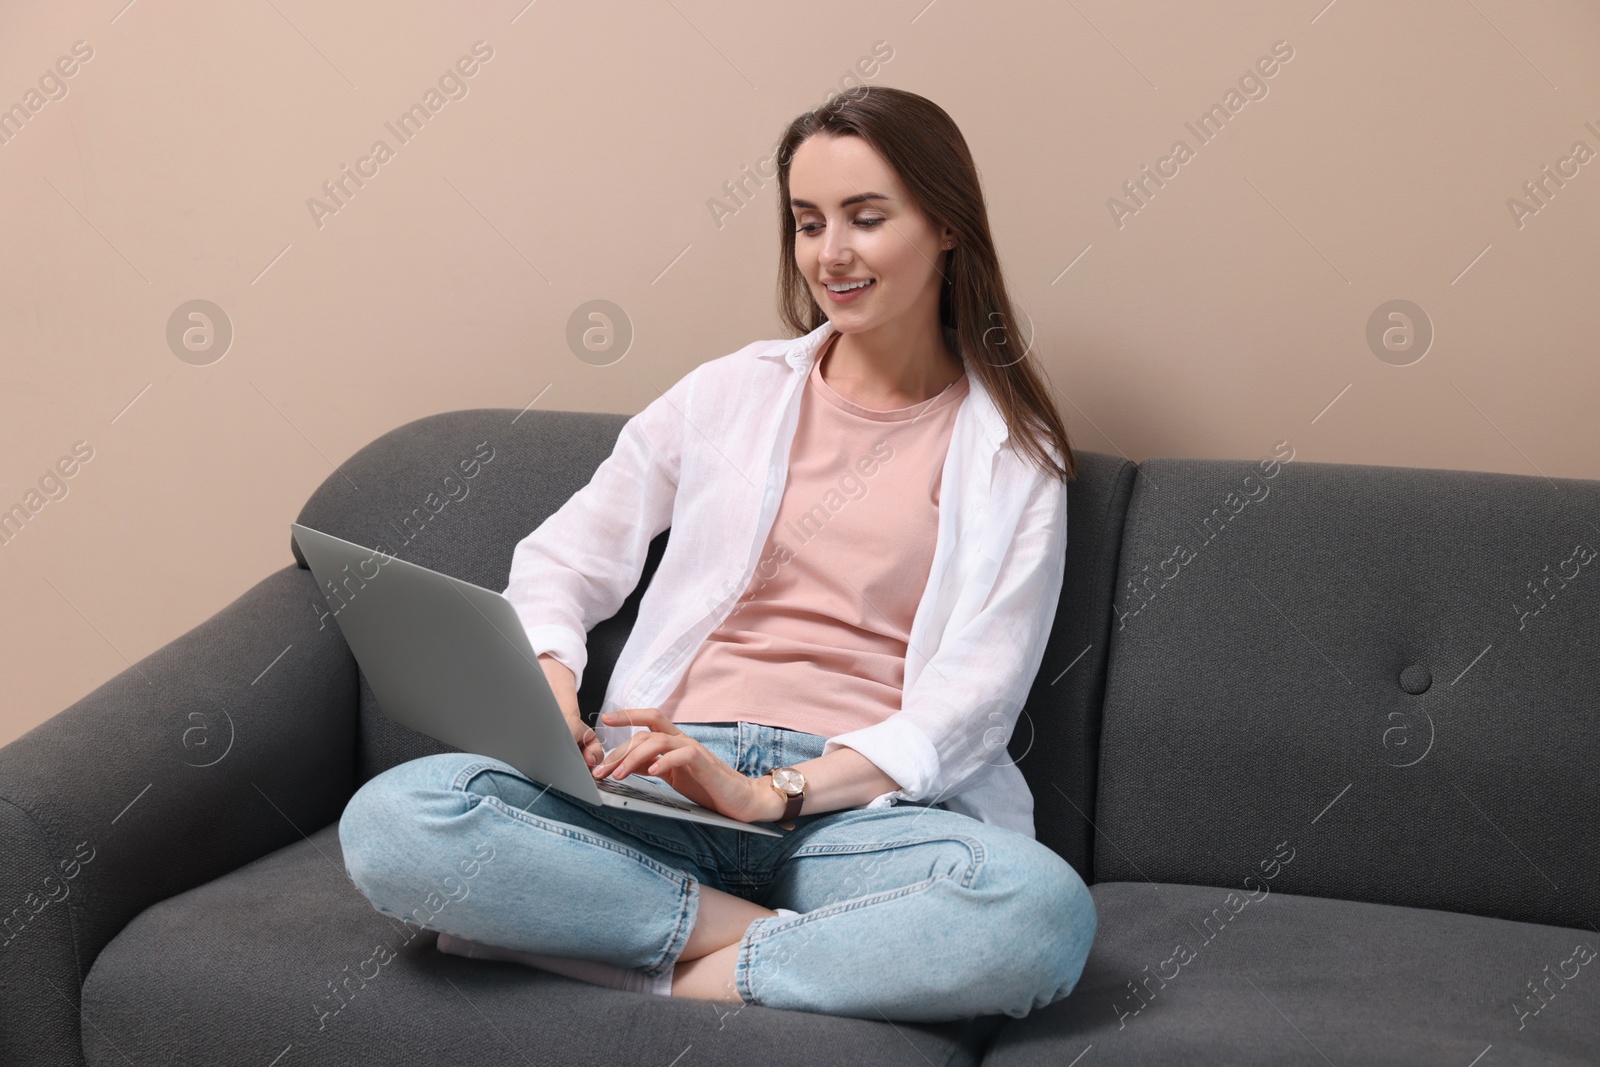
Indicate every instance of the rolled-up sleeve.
{"type": "Point", "coordinates": [957, 718]}
{"type": "Point", "coordinates": [578, 566]}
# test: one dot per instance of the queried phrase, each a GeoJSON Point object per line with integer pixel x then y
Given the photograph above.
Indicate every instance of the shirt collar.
{"type": "Point", "coordinates": [800, 352]}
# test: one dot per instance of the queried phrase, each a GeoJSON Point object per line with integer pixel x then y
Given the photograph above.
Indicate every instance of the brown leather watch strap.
{"type": "Point", "coordinates": [791, 805]}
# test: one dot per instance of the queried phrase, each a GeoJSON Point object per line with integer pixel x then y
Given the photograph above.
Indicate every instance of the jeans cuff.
{"type": "Point", "coordinates": [680, 935]}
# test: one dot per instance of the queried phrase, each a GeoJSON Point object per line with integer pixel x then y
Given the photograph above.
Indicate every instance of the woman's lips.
{"type": "Point", "coordinates": [847, 297]}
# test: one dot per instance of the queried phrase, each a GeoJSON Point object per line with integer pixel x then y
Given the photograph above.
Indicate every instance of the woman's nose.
{"type": "Point", "coordinates": [835, 247]}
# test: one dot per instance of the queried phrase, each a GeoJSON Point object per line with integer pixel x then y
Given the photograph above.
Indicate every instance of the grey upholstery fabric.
{"type": "Point", "coordinates": [1289, 980]}
{"type": "Point", "coordinates": [1057, 739]}
{"type": "Point", "coordinates": [206, 754]}
{"type": "Point", "coordinates": [1346, 664]}
{"type": "Point", "coordinates": [281, 958]}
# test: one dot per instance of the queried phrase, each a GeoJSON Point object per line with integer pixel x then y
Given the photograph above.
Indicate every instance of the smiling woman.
{"type": "Point", "coordinates": [855, 698]}
{"type": "Point", "coordinates": [885, 178]}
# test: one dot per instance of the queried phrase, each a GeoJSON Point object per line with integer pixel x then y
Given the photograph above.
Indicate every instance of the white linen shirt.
{"type": "Point", "coordinates": [710, 459]}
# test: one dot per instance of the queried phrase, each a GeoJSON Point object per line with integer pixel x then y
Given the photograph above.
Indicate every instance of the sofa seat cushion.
{"type": "Point", "coordinates": [1258, 977]}
{"type": "Point", "coordinates": [279, 962]}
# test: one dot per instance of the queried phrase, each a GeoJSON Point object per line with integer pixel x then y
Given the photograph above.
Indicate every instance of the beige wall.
{"type": "Point", "coordinates": [1227, 313]}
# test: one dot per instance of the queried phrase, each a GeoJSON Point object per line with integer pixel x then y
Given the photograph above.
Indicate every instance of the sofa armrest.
{"type": "Point", "coordinates": [225, 745]}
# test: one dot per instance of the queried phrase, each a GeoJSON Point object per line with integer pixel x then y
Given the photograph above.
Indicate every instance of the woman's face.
{"type": "Point", "coordinates": [854, 223]}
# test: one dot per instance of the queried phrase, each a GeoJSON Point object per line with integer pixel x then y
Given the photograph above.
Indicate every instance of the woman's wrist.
{"type": "Point", "coordinates": [769, 802]}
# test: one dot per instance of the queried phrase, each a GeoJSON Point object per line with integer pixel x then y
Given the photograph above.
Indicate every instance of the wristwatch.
{"type": "Point", "coordinates": [791, 786]}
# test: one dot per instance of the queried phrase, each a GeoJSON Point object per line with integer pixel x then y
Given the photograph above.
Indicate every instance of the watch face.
{"type": "Point", "coordinates": [788, 780]}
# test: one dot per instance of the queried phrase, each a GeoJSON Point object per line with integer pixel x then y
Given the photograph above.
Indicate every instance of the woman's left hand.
{"type": "Point", "coordinates": [683, 763]}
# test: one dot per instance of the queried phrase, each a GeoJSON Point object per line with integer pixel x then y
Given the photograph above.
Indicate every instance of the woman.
{"type": "Point", "coordinates": [867, 549]}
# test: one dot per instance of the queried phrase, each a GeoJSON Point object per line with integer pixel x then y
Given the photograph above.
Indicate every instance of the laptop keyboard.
{"type": "Point", "coordinates": [622, 788]}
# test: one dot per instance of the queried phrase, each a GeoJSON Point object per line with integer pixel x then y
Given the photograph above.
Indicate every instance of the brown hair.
{"type": "Point", "coordinates": [926, 150]}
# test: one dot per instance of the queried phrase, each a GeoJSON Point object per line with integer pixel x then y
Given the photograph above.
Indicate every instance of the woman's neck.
{"type": "Point", "coordinates": [886, 382]}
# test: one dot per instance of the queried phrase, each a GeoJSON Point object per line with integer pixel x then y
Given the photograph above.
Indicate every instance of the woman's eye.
{"type": "Point", "coordinates": [812, 227]}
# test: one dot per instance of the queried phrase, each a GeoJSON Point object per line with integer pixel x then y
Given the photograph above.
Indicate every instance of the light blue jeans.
{"type": "Point", "coordinates": [911, 912]}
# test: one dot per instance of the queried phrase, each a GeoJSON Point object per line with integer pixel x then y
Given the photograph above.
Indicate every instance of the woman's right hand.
{"type": "Point", "coordinates": [588, 741]}
{"type": "Point", "coordinates": [562, 684]}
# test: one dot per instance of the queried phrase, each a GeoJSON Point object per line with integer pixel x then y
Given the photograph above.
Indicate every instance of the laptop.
{"type": "Point", "coordinates": [452, 660]}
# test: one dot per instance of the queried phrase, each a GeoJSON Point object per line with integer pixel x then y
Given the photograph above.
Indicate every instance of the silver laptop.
{"type": "Point", "coordinates": [451, 659]}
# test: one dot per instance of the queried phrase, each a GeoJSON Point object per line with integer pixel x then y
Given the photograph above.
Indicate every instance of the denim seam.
{"type": "Point", "coordinates": [846, 906]}
{"type": "Point", "coordinates": [650, 862]}
{"type": "Point", "coordinates": [742, 965]}
{"type": "Point", "coordinates": [472, 770]}
{"type": "Point", "coordinates": [974, 846]}
{"type": "Point", "coordinates": [680, 934]}
{"type": "Point", "coordinates": [611, 817]}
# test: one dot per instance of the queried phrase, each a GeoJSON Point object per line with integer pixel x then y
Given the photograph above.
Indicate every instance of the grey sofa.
{"type": "Point", "coordinates": [1323, 739]}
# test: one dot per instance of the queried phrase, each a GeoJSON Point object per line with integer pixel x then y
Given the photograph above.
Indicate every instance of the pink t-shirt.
{"type": "Point", "coordinates": [818, 640]}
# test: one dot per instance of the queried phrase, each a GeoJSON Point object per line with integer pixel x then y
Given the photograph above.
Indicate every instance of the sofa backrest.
{"type": "Point", "coordinates": [423, 491]}
{"type": "Point", "coordinates": [1373, 683]}
{"type": "Point", "coordinates": [1057, 738]}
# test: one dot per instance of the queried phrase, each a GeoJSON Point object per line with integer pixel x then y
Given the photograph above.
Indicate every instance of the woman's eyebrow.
{"type": "Point", "coordinates": [846, 202]}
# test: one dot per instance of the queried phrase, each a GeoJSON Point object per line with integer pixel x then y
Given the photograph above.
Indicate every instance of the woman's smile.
{"type": "Point", "coordinates": [848, 295]}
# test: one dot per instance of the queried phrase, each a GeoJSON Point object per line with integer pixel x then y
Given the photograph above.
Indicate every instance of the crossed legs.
{"type": "Point", "coordinates": [905, 913]}
{"type": "Point", "coordinates": [705, 968]}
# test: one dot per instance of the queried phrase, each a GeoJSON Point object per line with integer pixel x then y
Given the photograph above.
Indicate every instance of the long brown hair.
{"type": "Point", "coordinates": [926, 150]}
